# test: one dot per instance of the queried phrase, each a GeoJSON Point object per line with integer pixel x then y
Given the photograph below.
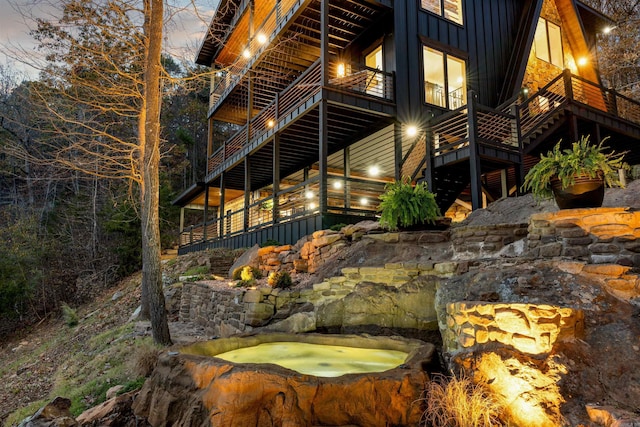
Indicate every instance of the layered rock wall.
{"type": "Point", "coordinates": [528, 328]}
{"type": "Point", "coordinates": [598, 236]}
{"type": "Point", "coordinates": [398, 295]}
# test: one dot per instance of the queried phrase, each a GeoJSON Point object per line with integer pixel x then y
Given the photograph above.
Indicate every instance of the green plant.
{"type": "Point", "coordinates": [269, 242]}
{"type": "Point", "coordinates": [459, 402]}
{"type": "Point", "coordinates": [404, 205]}
{"type": "Point", "coordinates": [281, 279]}
{"type": "Point", "coordinates": [582, 159]}
{"type": "Point", "coordinates": [70, 316]}
{"type": "Point", "coordinates": [198, 270]}
{"type": "Point", "coordinates": [237, 273]}
{"type": "Point", "coordinates": [337, 227]}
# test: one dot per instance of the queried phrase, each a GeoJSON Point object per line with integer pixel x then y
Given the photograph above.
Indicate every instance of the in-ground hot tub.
{"type": "Point", "coordinates": [195, 386]}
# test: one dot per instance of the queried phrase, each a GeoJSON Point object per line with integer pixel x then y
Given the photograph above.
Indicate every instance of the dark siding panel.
{"type": "Point", "coordinates": [488, 36]}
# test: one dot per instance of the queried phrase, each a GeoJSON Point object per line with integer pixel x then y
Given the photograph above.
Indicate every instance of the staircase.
{"type": "Point", "coordinates": [482, 139]}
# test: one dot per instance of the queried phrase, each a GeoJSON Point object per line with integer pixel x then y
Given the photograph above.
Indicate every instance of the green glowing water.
{"type": "Point", "coordinates": [318, 360]}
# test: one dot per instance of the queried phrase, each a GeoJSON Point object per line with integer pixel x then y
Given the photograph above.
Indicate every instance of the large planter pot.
{"type": "Point", "coordinates": [586, 192]}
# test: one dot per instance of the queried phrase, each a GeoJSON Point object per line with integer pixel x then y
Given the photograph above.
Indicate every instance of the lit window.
{"type": "Point", "coordinates": [444, 79]}
{"type": "Point", "coordinates": [450, 9]}
{"type": "Point", "coordinates": [548, 43]}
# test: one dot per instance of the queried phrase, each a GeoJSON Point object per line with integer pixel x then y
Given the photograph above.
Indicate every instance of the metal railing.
{"type": "Point", "coordinates": [225, 80]}
{"type": "Point", "coordinates": [361, 79]}
{"type": "Point", "coordinates": [508, 125]}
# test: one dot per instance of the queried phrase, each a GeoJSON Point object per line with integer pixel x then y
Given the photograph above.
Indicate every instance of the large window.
{"type": "Point", "coordinates": [444, 79]}
{"type": "Point", "coordinates": [548, 43]}
{"type": "Point", "coordinates": [450, 9]}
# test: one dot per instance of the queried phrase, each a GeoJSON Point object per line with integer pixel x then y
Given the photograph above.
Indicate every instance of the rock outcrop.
{"type": "Point", "coordinates": [187, 390]}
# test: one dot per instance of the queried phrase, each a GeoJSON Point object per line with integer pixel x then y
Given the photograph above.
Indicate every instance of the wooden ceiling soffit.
{"type": "Point", "coordinates": [236, 43]}
{"type": "Point", "coordinates": [574, 30]}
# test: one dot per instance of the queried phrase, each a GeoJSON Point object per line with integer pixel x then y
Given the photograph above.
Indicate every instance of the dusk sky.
{"type": "Point", "coordinates": [183, 39]}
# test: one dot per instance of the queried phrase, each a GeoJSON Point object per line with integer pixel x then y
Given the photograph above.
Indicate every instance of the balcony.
{"type": "Point", "coordinates": [299, 97]}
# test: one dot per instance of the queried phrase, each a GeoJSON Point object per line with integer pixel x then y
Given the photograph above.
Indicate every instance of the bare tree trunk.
{"type": "Point", "coordinates": [150, 187]}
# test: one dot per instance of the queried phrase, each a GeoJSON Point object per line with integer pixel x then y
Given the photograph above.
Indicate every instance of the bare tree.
{"type": "Point", "coordinates": [619, 57]}
{"type": "Point", "coordinates": [100, 98]}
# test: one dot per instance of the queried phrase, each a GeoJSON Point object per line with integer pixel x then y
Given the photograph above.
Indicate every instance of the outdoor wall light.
{"type": "Point", "coordinates": [312, 205]}
{"type": "Point", "coordinates": [364, 201]}
{"type": "Point", "coordinates": [309, 194]}
{"type": "Point", "coordinates": [246, 53]}
{"type": "Point", "coordinates": [412, 131]}
{"type": "Point", "coordinates": [374, 170]}
{"type": "Point", "coordinates": [337, 185]}
{"type": "Point", "coordinates": [582, 61]}
{"type": "Point", "coordinates": [270, 123]}
{"type": "Point", "coordinates": [262, 38]}
{"type": "Point", "coordinates": [342, 71]}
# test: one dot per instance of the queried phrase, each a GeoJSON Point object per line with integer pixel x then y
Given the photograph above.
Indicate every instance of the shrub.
{"type": "Point", "coordinates": [197, 270]}
{"type": "Point", "coordinates": [237, 273]}
{"type": "Point", "coordinates": [144, 359]}
{"type": "Point", "coordinates": [459, 402]}
{"type": "Point", "coordinates": [70, 316]}
{"type": "Point", "coordinates": [582, 159]}
{"type": "Point", "coordinates": [281, 279]}
{"type": "Point", "coordinates": [269, 242]}
{"type": "Point", "coordinates": [337, 227]}
{"type": "Point", "coordinates": [404, 205]}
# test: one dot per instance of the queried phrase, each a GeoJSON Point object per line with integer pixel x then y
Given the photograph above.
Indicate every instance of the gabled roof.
{"type": "Point", "coordinates": [578, 20]}
{"type": "Point", "coordinates": [220, 23]}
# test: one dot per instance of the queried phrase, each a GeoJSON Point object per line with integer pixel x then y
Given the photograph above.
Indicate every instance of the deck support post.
{"type": "Point", "coordinates": [347, 174]}
{"type": "Point", "coordinates": [397, 150]}
{"type": "Point", "coordinates": [247, 194]}
{"type": "Point", "coordinates": [323, 142]}
{"type": "Point", "coordinates": [205, 212]}
{"type": "Point", "coordinates": [475, 169]}
{"type": "Point", "coordinates": [221, 213]}
{"type": "Point", "coordinates": [428, 164]}
{"type": "Point", "coordinates": [275, 214]}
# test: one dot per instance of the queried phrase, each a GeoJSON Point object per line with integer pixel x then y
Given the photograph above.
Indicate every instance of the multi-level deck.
{"type": "Point", "coordinates": [312, 110]}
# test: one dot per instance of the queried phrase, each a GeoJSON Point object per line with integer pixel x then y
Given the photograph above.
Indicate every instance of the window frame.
{"type": "Point", "coordinates": [445, 70]}
{"type": "Point", "coordinates": [442, 14]}
{"type": "Point", "coordinates": [549, 49]}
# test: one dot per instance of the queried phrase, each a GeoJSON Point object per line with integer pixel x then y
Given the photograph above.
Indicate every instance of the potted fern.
{"type": "Point", "coordinates": [575, 176]}
{"type": "Point", "coordinates": [406, 206]}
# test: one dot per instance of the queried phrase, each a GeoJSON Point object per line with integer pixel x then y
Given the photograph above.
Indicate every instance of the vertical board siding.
{"type": "Point", "coordinates": [487, 35]}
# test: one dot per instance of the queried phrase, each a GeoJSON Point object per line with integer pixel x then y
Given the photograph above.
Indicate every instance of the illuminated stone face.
{"type": "Point", "coordinates": [529, 328]}
{"type": "Point", "coordinates": [190, 389]}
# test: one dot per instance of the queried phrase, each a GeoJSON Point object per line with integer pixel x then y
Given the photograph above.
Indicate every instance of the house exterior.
{"type": "Point", "coordinates": [331, 99]}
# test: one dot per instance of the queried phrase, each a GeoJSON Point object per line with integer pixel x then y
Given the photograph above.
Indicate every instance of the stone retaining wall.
{"type": "Point", "coordinates": [598, 236]}
{"type": "Point", "coordinates": [393, 294]}
{"type": "Point", "coordinates": [528, 328]}
{"type": "Point", "coordinates": [485, 240]}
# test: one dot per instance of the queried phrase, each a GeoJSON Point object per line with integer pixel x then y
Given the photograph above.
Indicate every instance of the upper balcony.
{"type": "Point", "coordinates": [270, 45]}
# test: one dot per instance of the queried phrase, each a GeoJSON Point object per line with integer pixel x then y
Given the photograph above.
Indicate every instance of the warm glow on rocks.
{"type": "Point", "coordinates": [529, 328]}
{"type": "Point", "coordinates": [529, 388]}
